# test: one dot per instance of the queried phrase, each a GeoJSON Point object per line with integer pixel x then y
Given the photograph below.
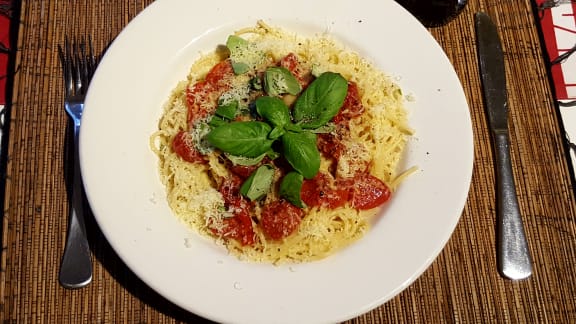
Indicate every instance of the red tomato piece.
{"type": "Point", "coordinates": [217, 76]}
{"type": "Point", "coordinates": [230, 188]}
{"type": "Point", "coordinates": [195, 95]}
{"type": "Point", "coordinates": [280, 219]}
{"type": "Point", "coordinates": [352, 106]}
{"type": "Point", "coordinates": [323, 191]}
{"type": "Point", "coordinates": [202, 97]}
{"type": "Point", "coordinates": [330, 145]}
{"type": "Point", "coordinates": [290, 63]}
{"type": "Point", "coordinates": [369, 192]}
{"type": "Point", "coordinates": [183, 145]}
{"type": "Point", "coordinates": [243, 171]}
{"type": "Point", "coordinates": [239, 226]}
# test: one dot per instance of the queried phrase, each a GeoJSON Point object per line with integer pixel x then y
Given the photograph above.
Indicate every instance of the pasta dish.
{"type": "Point", "coordinates": [281, 147]}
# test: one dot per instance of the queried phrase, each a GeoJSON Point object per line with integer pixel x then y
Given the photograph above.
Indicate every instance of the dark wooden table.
{"type": "Point", "coordinates": [462, 285]}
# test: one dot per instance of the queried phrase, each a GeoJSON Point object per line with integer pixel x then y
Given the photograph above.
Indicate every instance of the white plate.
{"type": "Point", "coordinates": [120, 174]}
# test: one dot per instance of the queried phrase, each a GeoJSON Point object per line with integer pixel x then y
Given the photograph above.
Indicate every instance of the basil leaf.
{"type": "Point", "coordinates": [273, 110]}
{"type": "Point", "coordinates": [244, 55]}
{"type": "Point", "coordinates": [248, 139]}
{"type": "Point", "coordinates": [258, 183]}
{"type": "Point", "coordinates": [278, 80]}
{"type": "Point", "coordinates": [321, 101]}
{"type": "Point", "coordinates": [290, 188]}
{"type": "Point", "coordinates": [216, 121]}
{"type": "Point", "coordinates": [237, 45]}
{"type": "Point", "coordinates": [301, 152]}
{"type": "Point", "coordinates": [228, 110]}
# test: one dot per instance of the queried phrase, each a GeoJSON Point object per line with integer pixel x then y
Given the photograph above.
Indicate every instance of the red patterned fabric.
{"type": "Point", "coordinates": [559, 30]}
{"type": "Point", "coordinates": [5, 41]}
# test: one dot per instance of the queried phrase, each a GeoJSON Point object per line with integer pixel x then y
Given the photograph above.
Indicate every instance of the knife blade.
{"type": "Point", "coordinates": [513, 257]}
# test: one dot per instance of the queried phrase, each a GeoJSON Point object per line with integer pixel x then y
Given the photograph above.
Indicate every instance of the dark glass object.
{"type": "Point", "coordinates": [433, 13]}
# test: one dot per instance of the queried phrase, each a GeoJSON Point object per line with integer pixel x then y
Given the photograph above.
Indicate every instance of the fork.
{"type": "Point", "coordinates": [78, 65]}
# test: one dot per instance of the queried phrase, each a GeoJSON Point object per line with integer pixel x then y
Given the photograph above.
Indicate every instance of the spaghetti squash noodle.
{"type": "Point", "coordinates": [281, 147]}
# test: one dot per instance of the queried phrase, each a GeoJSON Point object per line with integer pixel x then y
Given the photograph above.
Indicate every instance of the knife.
{"type": "Point", "coordinates": [513, 257]}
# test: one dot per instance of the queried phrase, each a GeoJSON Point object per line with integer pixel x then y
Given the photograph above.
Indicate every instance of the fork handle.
{"type": "Point", "coordinates": [76, 266]}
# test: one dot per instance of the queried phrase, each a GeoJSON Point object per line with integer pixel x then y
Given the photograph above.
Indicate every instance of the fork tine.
{"type": "Point", "coordinates": [66, 67]}
{"type": "Point", "coordinates": [86, 63]}
{"type": "Point", "coordinates": [70, 53]}
{"type": "Point", "coordinates": [92, 62]}
{"type": "Point", "coordinates": [78, 64]}
{"type": "Point", "coordinates": [77, 67]}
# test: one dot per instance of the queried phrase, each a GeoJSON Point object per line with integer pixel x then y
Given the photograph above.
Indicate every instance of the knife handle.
{"type": "Point", "coordinates": [512, 249]}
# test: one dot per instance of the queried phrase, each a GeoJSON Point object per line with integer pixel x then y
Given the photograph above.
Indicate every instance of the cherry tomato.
{"type": "Point", "coordinates": [369, 192]}
{"type": "Point", "coordinates": [323, 191]}
{"type": "Point", "coordinates": [290, 63]}
{"type": "Point", "coordinates": [331, 145]}
{"type": "Point", "coordinates": [230, 188]}
{"type": "Point", "coordinates": [352, 106]}
{"type": "Point", "coordinates": [244, 171]}
{"type": "Point", "coordinates": [239, 226]}
{"type": "Point", "coordinates": [202, 97]}
{"type": "Point", "coordinates": [218, 74]}
{"type": "Point", "coordinates": [183, 145]}
{"type": "Point", "coordinates": [280, 219]}
{"type": "Point", "coordinates": [195, 95]}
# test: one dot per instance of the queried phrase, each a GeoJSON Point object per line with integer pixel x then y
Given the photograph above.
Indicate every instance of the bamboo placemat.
{"type": "Point", "coordinates": [462, 285]}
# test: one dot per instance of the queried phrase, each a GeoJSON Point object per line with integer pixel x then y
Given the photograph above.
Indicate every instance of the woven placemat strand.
{"type": "Point", "coordinates": [461, 285]}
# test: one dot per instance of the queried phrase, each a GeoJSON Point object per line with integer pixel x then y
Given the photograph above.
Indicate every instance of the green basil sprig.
{"type": "Point", "coordinates": [299, 147]}
{"type": "Point", "coordinates": [248, 139]}
{"type": "Point", "coordinates": [321, 101]}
